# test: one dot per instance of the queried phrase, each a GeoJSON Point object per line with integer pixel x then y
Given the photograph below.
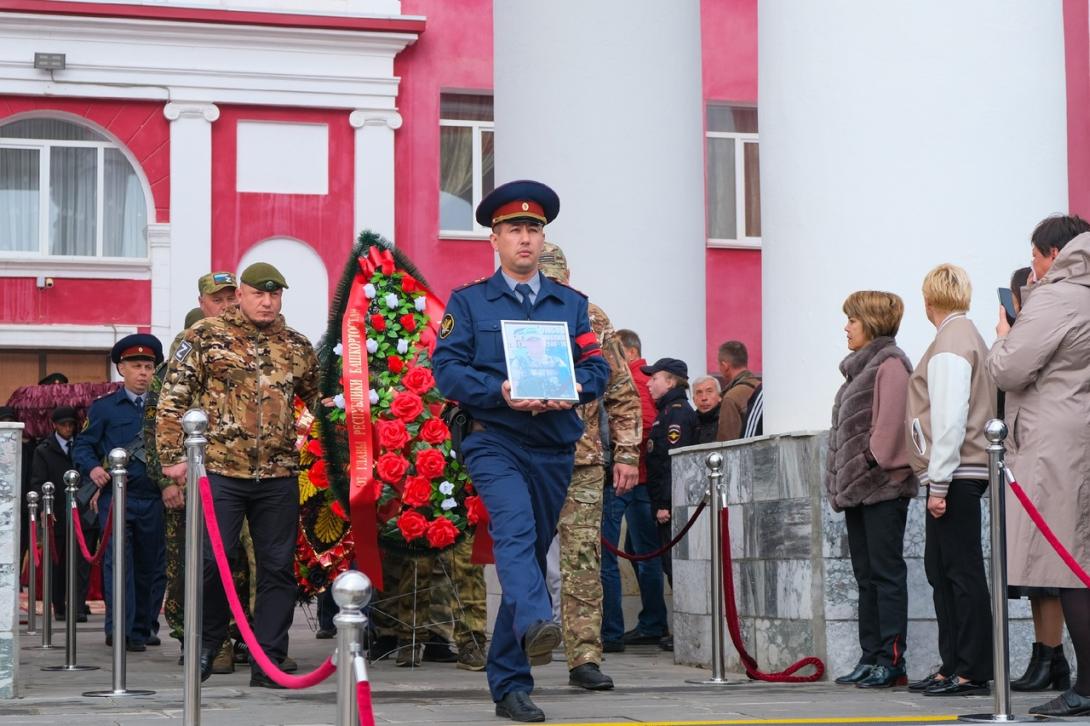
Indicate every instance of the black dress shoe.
{"type": "Point", "coordinates": [1067, 703]}
{"type": "Point", "coordinates": [81, 618]}
{"type": "Point", "coordinates": [884, 677]}
{"type": "Point", "coordinates": [208, 655]}
{"type": "Point", "coordinates": [134, 646]}
{"type": "Point", "coordinates": [666, 643]}
{"type": "Point", "coordinates": [954, 687]}
{"type": "Point", "coordinates": [517, 706]}
{"type": "Point", "coordinates": [153, 639]}
{"type": "Point", "coordinates": [325, 633]}
{"type": "Point", "coordinates": [635, 637]}
{"type": "Point", "coordinates": [539, 642]}
{"type": "Point", "coordinates": [861, 671]}
{"type": "Point", "coordinates": [258, 679]}
{"type": "Point", "coordinates": [109, 640]}
{"type": "Point", "coordinates": [59, 615]}
{"type": "Point", "coordinates": [612, 646]}
{"type": "Point", "coordinates": [926, 683]}
{"type": "Point", "coordinates": [590, 677]}
{"type": "Point", "coordinates": [439, 652]}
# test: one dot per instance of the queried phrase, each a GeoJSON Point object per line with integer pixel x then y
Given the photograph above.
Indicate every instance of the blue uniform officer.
{"type": "Point", "coordinates": [116, 420]}
{"type": "Point", "coordinates": [520, 452]}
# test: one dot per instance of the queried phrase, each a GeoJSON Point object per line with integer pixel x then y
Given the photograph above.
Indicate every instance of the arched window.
{"type": "Point", "coordinates": [67, 190]}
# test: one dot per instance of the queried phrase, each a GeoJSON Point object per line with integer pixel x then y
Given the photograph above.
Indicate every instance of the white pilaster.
{"type": "Point", "coordinates": [159, 254]}
{"type": "Point", "coordinates": [896, 136]}
{"type": "Point", "coordinates": [603, 102]}
{"type": "Point", "coordinates": [374, 166]}
{"type": "Point", "coordinates": [190, 204]}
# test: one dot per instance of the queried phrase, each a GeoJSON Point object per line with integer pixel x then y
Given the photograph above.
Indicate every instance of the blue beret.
{"type": "Point", "coordinates": [136, 347]}
{"type": "Point", "coordinates": [521, 199]}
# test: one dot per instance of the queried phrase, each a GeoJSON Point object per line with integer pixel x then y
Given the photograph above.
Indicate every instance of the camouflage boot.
{"type": "Point", "coordinates": [225, 659]}
{"type": "Point", "coordinates": [471, 655]}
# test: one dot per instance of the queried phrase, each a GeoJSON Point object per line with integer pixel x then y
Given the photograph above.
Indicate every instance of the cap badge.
{"type": "Point", "coordinates": [525, 207]}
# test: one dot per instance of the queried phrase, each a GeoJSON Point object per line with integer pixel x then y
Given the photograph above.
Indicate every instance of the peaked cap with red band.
{"type": "Point", "coordinates": [139, 346]}
{"type": "Point", "coordinates": [521, 199]}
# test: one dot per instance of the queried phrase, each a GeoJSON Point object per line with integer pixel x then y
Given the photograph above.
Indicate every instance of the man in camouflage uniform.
{"type": "Point", "coordinates": [580, 526]}
{"type": "Point", "coordinates": [244, 368]}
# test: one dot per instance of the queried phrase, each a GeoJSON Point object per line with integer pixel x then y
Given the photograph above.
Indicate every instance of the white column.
{"type": "Point", "coordinates": [895, 136]}
{"type": "Point", "coordinates": [374, 166]}
{"type": "Point", "coordinates": [190, 203]}
{"type": "Point", "coordinates": [159, 252]}
{"type": "Point", "coordinates": [602, 101]}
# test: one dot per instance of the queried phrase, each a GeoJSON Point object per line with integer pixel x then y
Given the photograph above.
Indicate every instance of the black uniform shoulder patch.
{"type": "Point", "coordinates": [184, 349]}
{"type": "Point", "coordinates": [478, 281]}
{"type": "Point", "coordinates": [446, 325]}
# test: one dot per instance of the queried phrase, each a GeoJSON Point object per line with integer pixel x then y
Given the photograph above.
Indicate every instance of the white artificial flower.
{"type": "Point", "coordinates": [453, 454]}
{"type": "Point", "coordinates": [402, 346]}
{"type": "Point", "coordinates": [420, 304]}
{"type": "Point", "coordinates": [372, 346]}
{"type": "Point", "coordinates": [446, 488]}
{"type": "Point", "coordinates": [448, 504]}
{"type": "Point", "coordinates": [338, 349]}
{"type": "Point", "coordinates": [369, 291]}
{"type": "Point", "coordinates": [373, 395]}
{"type": "Point", "coordinates": [391, 300]}
{"type": "Point", "coordinates": [338, 400]}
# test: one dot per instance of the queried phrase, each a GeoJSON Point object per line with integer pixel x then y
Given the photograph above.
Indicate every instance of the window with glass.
{"type": "Point", "coordinates": [734, 177]}
{"type": "Point", "coordinates": [66, 190]}
{"type": "Point", "coordinates": [466, 173]}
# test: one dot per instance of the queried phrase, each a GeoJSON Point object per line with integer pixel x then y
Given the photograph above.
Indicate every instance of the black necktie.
{"type": "Point", "coordinates": [139, 402]}
{"type": "Point", "coordinates": [68, 447]}
{"type": "Point", "coordinates": [523, 289]}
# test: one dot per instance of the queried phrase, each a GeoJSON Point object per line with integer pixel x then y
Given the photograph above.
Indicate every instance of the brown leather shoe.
{"type": "Point", "coordinates": [224, 661]}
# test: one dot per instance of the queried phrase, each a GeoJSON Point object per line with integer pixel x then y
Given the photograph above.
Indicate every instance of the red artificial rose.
{"type": "Point", "coordinates": [475, 510]}
{"type": "Point", "coordinates": [388, 267]}
{"type": "Point", "coordinates": [417, 491]}
{"type": "Point", "coordinates": [391, 467]}
{"type": "Point", "coordinates": [318, 475]}
{"type": "Point", "coordinates": [408, 321]}
{"type": "Point", "coordinates": [395, 364]}
{"type": "Point", "coordinates": [406, 406]}
{"type": "Point", "coordinates": [337, 509]}
{"type": "Point", "coordinates": [434, 431]}
{"type": "Point", "coordinates": [412, 525]}
{"type": "Point", "coordinates": [442, 533]}
{"type": "Point", "coordinates": [408, 284]}
{"type": "Point", "coordinates": [392, 434]}
{"type": "Point", "coordinates": [430, 463]}
{"type": "Point", "coordinates": [314, 446]}
{"type": "Point", "coordinates": [378, 322]}
{"type": "Point", "coordinates": [419, 380]}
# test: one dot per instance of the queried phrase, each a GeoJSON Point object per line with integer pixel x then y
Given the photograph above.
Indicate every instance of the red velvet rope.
{"type": "Point", "coordinates": [661, 550]}
{"type": "Point", "coordinates": [363, 703]}
{"type": "Point", "coordinates": [34, 542]}
{"type": "Point", "coordinates": [748, 661]}
{"type": "Point", "coordinates": [272, 670]}
{"type": "Point", "coordinates": [1049, 535]}
{"type": "Point", "coordinates": [97, 557]}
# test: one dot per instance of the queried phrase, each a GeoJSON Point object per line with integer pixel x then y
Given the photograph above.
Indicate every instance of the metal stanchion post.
{"type": "Point", "coordinates": [194, 423]}
{"type": "Point", "coordinates": [32, 582]}
{"type": "Point", "coordinates": [715, 492]}
{"type": "Point", "coordinates": [72, 602]}
{"type": "Point", "coordinates": [45, 534]}
{"type": "Point", "coordinates": [351, 591]}
{"type": "Point", "coordinates": [118, 459]}
{"type": "Point", "coordinates": [996, 432]}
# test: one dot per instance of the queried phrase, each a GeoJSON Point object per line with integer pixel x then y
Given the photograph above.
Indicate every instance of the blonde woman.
{"type": "Point", "coordinates": [869, 479]}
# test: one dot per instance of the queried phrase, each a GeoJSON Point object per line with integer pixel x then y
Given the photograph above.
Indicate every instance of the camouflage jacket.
{"type": "Point", "coordinates": [621, 400]}
{"type": "Point", "coordinates": [151, 407]}
{"type": "Point", "coordinates": [245, 378]}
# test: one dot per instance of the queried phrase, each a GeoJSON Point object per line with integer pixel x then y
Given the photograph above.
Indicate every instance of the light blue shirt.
{"type": "Point", "coordinates": [133, 396]}
{"type": "Point", "coordinates": [534, 283]}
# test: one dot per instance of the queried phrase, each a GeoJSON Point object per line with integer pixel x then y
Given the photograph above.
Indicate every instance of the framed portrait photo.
{"type": "Point", "coordinates": [539, 360]}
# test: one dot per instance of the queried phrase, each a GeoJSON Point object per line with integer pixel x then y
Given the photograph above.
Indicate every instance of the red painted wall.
{"type": "Point", "coordinates": [454, 53]}
{"type": "Point", "coordinates": [729, 37]}
{"type": "Point", "coordinates": [75, 302]}
{"type": "Point", "coordinates": [242, 219]}
{"type": "Point", "coordinates": [1077, 52]}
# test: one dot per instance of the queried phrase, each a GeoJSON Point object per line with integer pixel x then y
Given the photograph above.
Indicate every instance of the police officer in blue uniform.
{"type": "Point", "coordinates": [113, 421]}
{"type": "Point", "coordinates": [519, 452]}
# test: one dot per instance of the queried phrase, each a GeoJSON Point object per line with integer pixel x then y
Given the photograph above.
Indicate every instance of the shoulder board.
{"type": "Point", "coordinates": [676, 405]}
{"type": "Point", "coordinates": [471, 284]}
{"type": "Point", "coordinates": [576, 291]}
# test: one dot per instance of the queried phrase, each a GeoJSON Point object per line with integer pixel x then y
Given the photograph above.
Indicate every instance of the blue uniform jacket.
{"type": "Point", "coordinates": [113, 421]}
{"type": "Point", "coordinates": [470, 368]}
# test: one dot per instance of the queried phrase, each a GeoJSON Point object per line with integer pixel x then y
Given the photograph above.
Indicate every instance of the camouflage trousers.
{"type": "Point", "coordinates": [580, 532]}
{"type": "Point", "coordinates": [442, 593]}
{"type": "Point", "coordinates": [241, 569]}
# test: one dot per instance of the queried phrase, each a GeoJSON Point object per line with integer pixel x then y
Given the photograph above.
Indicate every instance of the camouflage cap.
{"type": "Point", "coordinates": [193, 316]}
{"type": "Point", "coordinates": [553, 263]}
{"type": "Point", "coordinates": [263, 276]}
{"type": "Point", "coordinates": [215, 281]}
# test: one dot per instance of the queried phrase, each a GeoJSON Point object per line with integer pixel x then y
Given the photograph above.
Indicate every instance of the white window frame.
{"type": "Point", "coordinates": [478, 232]}
{"type": "Point", "coordinates": [44, 148]}
{"type": "Point", "coordinates": [741, 241]}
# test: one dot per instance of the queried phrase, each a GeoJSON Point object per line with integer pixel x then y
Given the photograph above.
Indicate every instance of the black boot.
{"type": "Point", "coordinates": [1047, 668]}
{"type": "Point", "coordinates": [1033, 669]}
{"type": "Point", "coordinates": [1060, 671]}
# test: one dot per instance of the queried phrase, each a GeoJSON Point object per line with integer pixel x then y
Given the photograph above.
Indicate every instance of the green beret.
{"type": "Point", "coordinates": [193, 316]}
{"type": "Point", "coordinates": [263, 276]}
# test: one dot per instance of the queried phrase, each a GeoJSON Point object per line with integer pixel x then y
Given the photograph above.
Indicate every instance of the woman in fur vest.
{"type": "Point", "coordinates": [868, 477]}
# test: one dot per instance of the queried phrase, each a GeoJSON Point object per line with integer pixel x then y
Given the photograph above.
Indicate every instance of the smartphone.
{"type": "Point", "coordinates": [1006, 299]}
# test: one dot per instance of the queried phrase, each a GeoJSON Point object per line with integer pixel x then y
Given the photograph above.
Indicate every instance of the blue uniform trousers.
{"type": "Point", "coordinates": [523, 488]}
{"type": "Point", "coordinates": [145, 564]}
{"type": "Point", "coordinates": [635, 508]}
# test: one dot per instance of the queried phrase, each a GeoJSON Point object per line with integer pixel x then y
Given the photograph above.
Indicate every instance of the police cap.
{"type": "Point", "coordinates": [670, 365]}
{"type": "Point", "coordinates": [521, 199]}
{"type": "Point", "coordinates": [193, 316]}
{"type": "Point", "coordinates": [138, 346]}
{"type": "Point", "coordinates": [263, 276]}
{"type": "Point", "coordinates": [553, 263]}
{"type": "Point", "coordinates": [63, 413]}
{"type": "Point", "coordinates": [216, 281]}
